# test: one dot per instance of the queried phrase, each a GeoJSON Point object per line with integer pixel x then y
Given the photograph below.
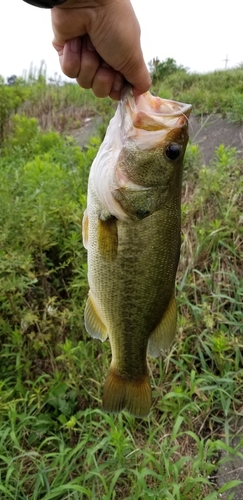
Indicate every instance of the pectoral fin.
{"type": "Point", "coordinates": [108, 238]}
{"type": "Point", "coordinates": [163, 335]}
{"type": "Point", "coordinates": [92, 321]}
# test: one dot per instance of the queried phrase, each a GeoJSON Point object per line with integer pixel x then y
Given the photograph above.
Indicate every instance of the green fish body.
{"type": "Point", "coordinates": [131, 230]}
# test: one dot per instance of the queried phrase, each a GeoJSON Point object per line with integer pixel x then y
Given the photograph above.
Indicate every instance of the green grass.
{"type": "Point", "coordinates": [216, 92]}
{"type": "Point", "coordinates": [55, 442]}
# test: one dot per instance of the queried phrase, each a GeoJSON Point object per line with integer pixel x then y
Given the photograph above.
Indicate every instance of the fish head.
{"type": "Point", "coordinates": [154, 138]}
{"type": "Point", "coordinates": [155, 135]}
{"type": "Point", "coordinates": [139, 165]}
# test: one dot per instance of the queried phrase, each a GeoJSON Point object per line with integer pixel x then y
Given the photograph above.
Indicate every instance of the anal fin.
{"type": "Point", "coordinates": [92, 321]}
{"type": "Point", "coordinates": [164, 333]}
{"type": "Point", "coordinates": [133, 395]}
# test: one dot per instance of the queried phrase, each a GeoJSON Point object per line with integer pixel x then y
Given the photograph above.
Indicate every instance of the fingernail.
{"type": "Point", "coordinates": [75, 45]}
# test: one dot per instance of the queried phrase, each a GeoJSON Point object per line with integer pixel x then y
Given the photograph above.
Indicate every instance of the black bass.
{"type": "Point", "coordinates": [131, 230]}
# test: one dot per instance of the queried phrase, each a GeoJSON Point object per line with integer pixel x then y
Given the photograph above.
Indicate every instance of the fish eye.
{"type": "Point", "coordinates": [173, 151]}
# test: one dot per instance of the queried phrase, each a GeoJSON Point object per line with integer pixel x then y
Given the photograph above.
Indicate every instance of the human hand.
{"type": "Point", "coordinates": [98, 42]}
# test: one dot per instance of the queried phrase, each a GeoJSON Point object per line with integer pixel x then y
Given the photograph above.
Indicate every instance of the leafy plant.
{"type": "Point", "coordinates": [55, 443]}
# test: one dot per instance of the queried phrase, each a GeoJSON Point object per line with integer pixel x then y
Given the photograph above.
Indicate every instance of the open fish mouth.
{"type": "Point", "coordinates": [149, 113]}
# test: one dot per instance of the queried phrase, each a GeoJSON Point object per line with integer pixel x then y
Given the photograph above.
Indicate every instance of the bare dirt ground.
{"type": "Point", "coordinates": [232, 467]}
{"type": "Point", "coordinates": [211, 131]}
{"type": "Point", "coordinates": [89, 129]}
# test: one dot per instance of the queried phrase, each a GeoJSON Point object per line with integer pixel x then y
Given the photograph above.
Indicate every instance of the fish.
{"type": "Point", "coordinates": [131, 231]}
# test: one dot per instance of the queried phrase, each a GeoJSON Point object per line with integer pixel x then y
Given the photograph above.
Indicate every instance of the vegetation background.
{"type": "Point", "coordinates": [55, 442]}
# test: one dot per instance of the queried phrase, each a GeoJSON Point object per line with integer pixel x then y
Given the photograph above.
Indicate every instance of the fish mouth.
{"type": "Point", "coordinates": [150, 113]}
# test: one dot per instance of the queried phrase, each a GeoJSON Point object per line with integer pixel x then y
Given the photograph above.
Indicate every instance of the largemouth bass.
{"type": "Point", "coordinates": [131, 230]}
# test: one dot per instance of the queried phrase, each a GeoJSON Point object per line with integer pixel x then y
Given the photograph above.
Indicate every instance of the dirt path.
{"type": "Point", "coordinates": [88, 130]}
{"type": "Point", "coordinates": [211, 131]}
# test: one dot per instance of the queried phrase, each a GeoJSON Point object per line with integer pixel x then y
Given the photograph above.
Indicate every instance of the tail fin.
{"type": "Point", "coordinates": [121, 393]}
